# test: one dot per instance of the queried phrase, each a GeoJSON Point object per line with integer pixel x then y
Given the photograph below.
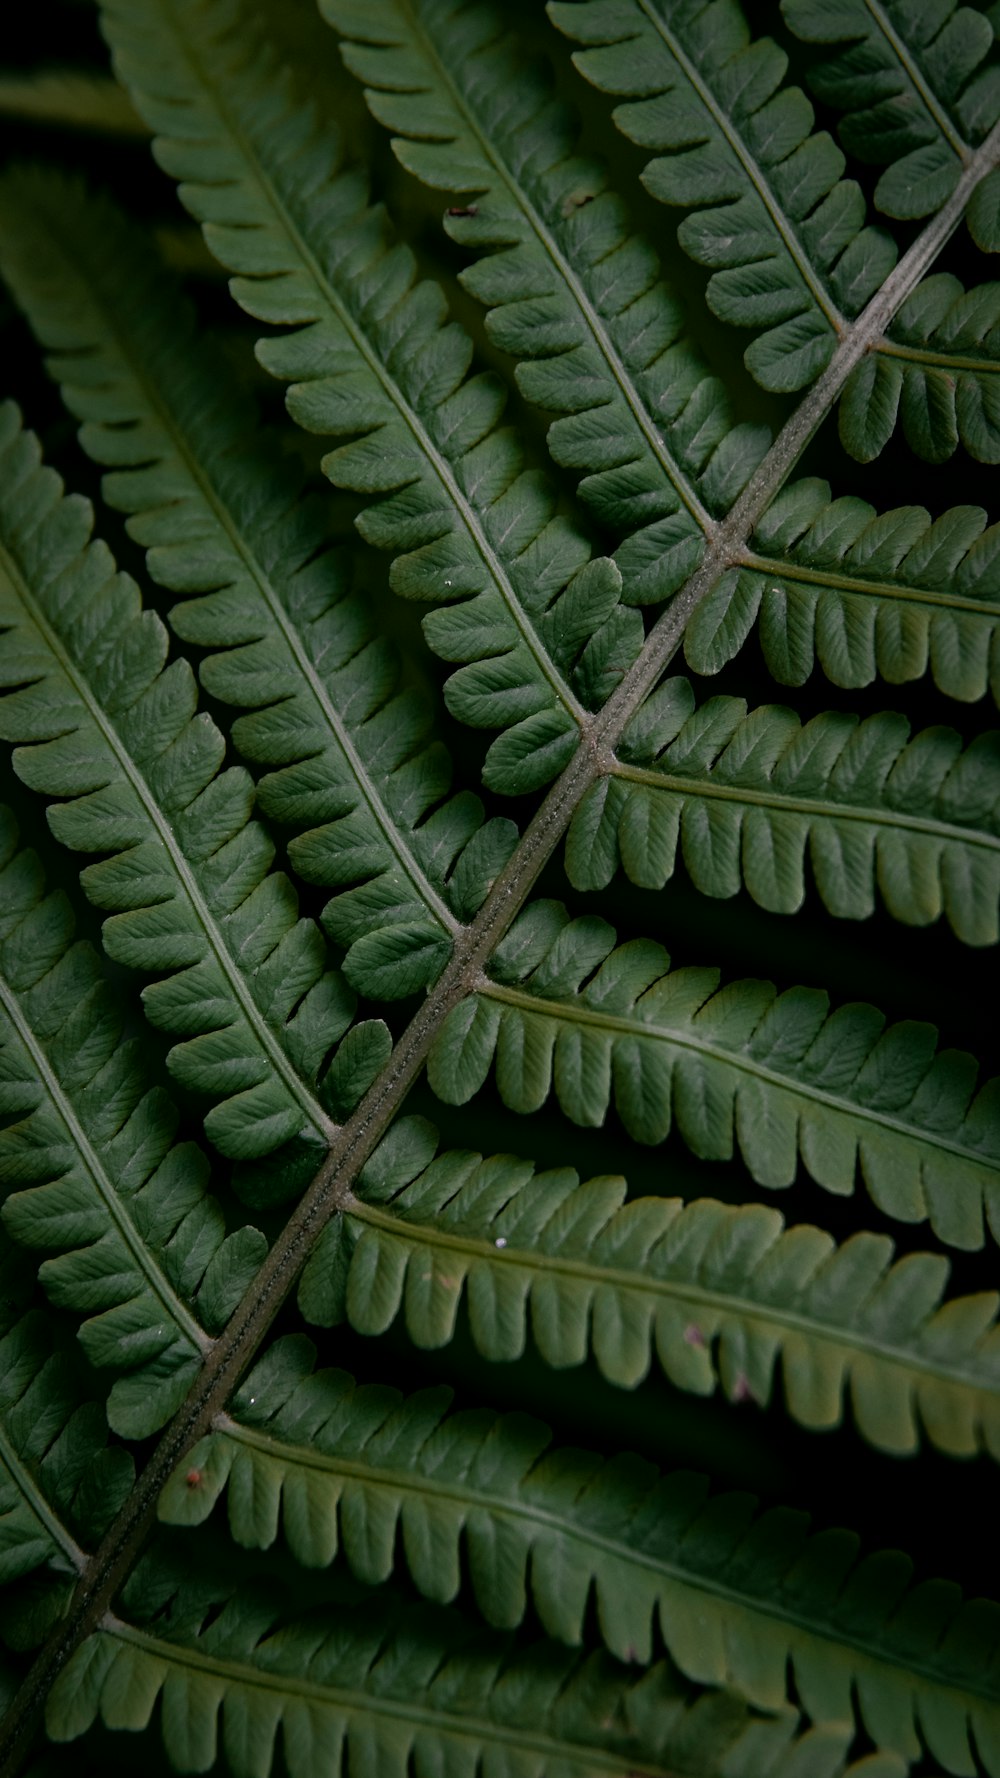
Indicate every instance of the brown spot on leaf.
{"type": "Point", "coordinates": [464, 210]}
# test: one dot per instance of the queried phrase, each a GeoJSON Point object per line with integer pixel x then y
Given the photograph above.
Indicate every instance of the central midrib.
{"type": "Point", "coordinates": [408, 1482]}
{"type": "Point", "coordinates": [234, 980]}
{"type": "Point", "coordinates": [725, 1301]}
{"type": "Point", "coordinates": [869, 589]}
{"type": "Point", "coordinates": [605, 346]}
{"type": "Point", "coordinates": [439, 463]}
{"type": "Point", "coordinates": [761, 186]}
{"type": "Point", "coordinates": [174, 1308]}
{"type": "Point", "coordinates": [614, 1023]}
{"type": "Point", "coordinates": [776, 800]}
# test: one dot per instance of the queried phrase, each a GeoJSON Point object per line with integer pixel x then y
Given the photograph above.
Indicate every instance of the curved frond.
{"type": "Point", "coordinates": [71, 99]}
{"type": "Point", "coordinates": [782, 232]}
{"type": "Point", "coordinates": [744, 797]}
{"type": "Point", "coordinates": [342, 1467]}
{"type": "Point", "coordinates": [109, 729]}
{"type": "Point", "coordinates": [91, 1170]}
{"type": "Point", "coordinates": [540, 624]}
{"type": "Point", "coordinates": [61, 1484]}
{"type": "Point", "coordinates": [353, 769]}
{"type": "Point", "coordinates": [378, 1685]}
{"type": "Point", "coordinates": [717, 1296]}
{"type": "Point", "coordinates": [570, 288]}
{"type": "Point", "coordinates": [777, 1075]}
{"type": "Point", "coordinates": [935, 374]}
{"type": "Point", "coordinates": [862, 593]}
{"type": "Point", "coordinates": [918, 86]}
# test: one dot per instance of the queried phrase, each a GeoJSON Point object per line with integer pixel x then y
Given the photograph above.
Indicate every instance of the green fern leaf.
{"type": "Point", "coordinates": [104, 724]}
{"type": "Point", "coordinates": [60, 1482]}
{"type": "Point", "coordinates": [99, 1182]}
{"type": "Point", "coordinates": [376, 1685]}
{"type": "Point", "coordinates": [336, 1465]}
{"type": "Point", "coordinates": [934, 374]}
{"type": "Point", "coordinates": [717, 1296]}
{"type": "Point", "coordinates": [918, 86]}
{"type": "Point", "coordinates": [221, 514]}
{"type": "Point", "coordinates": [783, 233]}
{"type": "Point", "coordinates": [744, 796]}
{"type": "Point", "coordinates": [779, 1076]}
{"type": "Point", "coordinates": [541, 626]}
{"type": "Point", "coordinates": [862, 593]}
{"type": "Point", "coordinates": [72, 100]}
{"type": "Point", "coordinates": [573, 292]}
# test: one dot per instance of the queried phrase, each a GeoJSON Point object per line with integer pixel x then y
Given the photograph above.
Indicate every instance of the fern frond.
{"type": "Point", "coordinates": [745, 795]}
{"type": "Point", "coordinates": [61, 1484]}
{"type": "Point", "coordinates": [778, 1075]}
{"type": "Point", "coordinates": [572, 290]}
{"type": "Point", "coordinates": [936, 373]}
{"type": "Point", "coordinates": [716, 1296]}
{"type": "Point", "coordinates": [71, 99]}
{"type": "Point", "coordinates": [383, 1688]}
{"type": "Point", "coordinates": [782, 232]}
{"type": "Point", "coordinates": [221, 514]}
{"type": "Point", "coordinates": [91, 1169]}
{"type": "Point", "coordinates": [365, 1470]}
{"type": "Point", "coordinates": [540, 624]}
{"type": "Point", "coordinates": [103, 723]}
{"type": "Point", "coordinates": [862, 593]}
{"type": "Point", "coordinates": [918, 86]}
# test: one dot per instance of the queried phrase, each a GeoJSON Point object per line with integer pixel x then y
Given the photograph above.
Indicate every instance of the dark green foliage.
{"type": "Point", "coordinates": [330, 844]}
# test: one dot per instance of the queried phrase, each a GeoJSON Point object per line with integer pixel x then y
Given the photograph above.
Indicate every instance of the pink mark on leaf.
{"type": "Point", "coordinates": [693, 1335]}
{"type": "Point", "coordinates": [741, 1390]}
{"type": "Point", "coordinates": [193, 1478]}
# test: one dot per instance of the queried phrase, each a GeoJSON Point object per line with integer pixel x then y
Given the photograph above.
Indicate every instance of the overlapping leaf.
{"type": "Point", "coordinates": [91, 1170]}
{"type": "Point", "coordinates": [745, 797]}
{"type": "Point", "coordinates": [539, 623]}
{"type": "Point", "coordinates": [60, 1482]}
{"type": "Point", "coordinates": [935, 374]}
{"type": "Point", "coordinates": [919, 87]}
{"type": "Point", "coordinates": [573, 292]}
{"type": "Point", "coordinates": [863, 593]}
{"type": "Point", "coordinates": [777, 1075]}
{"type": "Point", "coordinates": [770, 214]}
{"type": "Point", "coordinates": [353, 768]}
{"type": "Point", "coordinates": [112, 731]}
{"type": "Point", "coordinates": [717, 1296]}
{"type": "Point", "coordinates": [354, 1468]}
{"type": "Point", "coordinates": [379, 1687]}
